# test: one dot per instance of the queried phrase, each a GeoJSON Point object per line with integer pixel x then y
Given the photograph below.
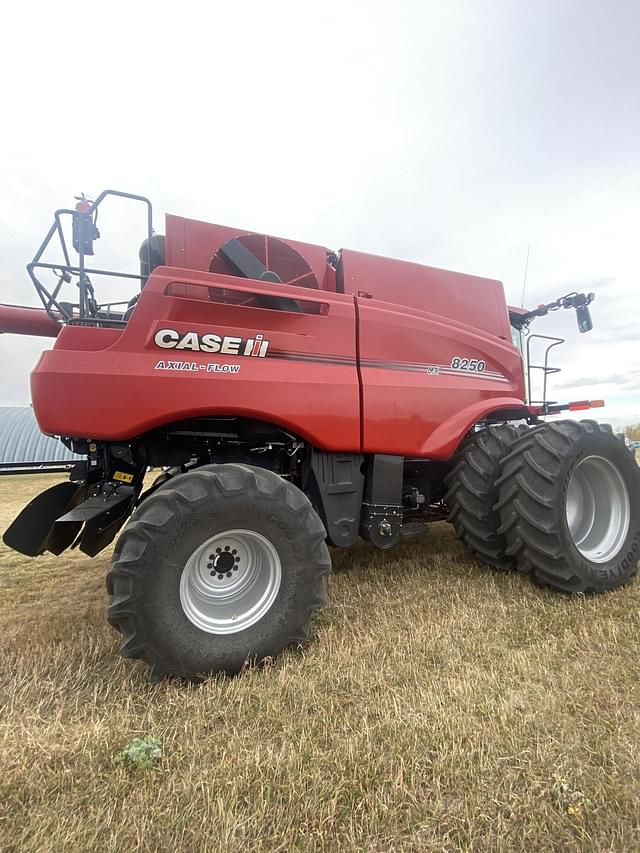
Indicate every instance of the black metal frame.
{"type": "Point", "coordinates": [88, 308]}
{"type": "Point", "coordinates": [37, 467]}
{"type": "Point", "coordinates": [546, 370]}
{"type": "Point", "coordinates": [579, 301]}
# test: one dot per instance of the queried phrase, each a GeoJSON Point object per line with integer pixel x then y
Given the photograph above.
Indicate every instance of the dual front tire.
{"type": "Point", "coordinates": [559, 502]}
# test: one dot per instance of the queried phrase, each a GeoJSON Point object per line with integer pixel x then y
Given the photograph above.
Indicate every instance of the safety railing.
{"type": "Point", "coordinates": [87, 311]}
{"type": "Point", "coordinates": [545, 368]}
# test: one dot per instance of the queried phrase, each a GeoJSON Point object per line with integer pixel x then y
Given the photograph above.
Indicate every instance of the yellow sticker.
{"type": "Point", "coordinates": [124, 478]}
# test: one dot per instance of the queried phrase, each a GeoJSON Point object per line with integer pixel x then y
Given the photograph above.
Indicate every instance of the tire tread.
{"type": "Point", "coordinates": [471, 495]}
{"type": "Point", "coordinates": [527, 503]}
{"type": "Point", "coordinates": [160, 508]}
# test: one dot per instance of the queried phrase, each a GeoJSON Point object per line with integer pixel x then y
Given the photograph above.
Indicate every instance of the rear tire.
{"type": "Point", "coordinates": [185, 613]}
{"type": "Point", "coordinates": [471, 494]}
{"type": "Point", "coordinates": [569, 505]}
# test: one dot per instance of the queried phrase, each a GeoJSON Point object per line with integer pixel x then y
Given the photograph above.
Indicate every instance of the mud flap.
{"type": "Point", "coordinates": [31, 532]}
{"type": "Point", "coordinates": [54, 520]}
{"type": "Point", "coordinates": [101, 531]}
{"type": "Point", "coordinates": [103, 513]}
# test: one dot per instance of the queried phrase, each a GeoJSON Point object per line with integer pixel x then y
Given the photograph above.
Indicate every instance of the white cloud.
{"type": "Point", "coordinates": [453, 134]}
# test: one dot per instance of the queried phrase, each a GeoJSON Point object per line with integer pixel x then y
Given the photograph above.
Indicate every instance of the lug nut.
{"type": "Point", "coordinates": [384, 528]}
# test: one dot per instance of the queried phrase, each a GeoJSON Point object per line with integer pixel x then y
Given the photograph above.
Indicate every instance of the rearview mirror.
{"type": "Point", "coordinates": [583, 315]}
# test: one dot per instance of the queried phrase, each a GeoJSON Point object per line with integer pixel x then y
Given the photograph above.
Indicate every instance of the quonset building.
{"type": "Point", "coordinates": [24, 449]}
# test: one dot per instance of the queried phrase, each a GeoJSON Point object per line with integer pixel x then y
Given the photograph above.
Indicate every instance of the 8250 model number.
{"type": "Point", "coordinates": [474, 365]}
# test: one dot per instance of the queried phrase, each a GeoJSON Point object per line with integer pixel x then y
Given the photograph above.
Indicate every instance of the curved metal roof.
{"type": "Point", "coordinates": [22, 442]}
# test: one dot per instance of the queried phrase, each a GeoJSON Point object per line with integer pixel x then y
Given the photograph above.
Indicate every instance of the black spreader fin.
{"type": "Point", "coordinates": [29, 532]}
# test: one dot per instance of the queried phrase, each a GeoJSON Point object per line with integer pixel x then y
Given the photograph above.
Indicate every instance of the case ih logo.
{"type": "Point", "coordinates": [224, 344]}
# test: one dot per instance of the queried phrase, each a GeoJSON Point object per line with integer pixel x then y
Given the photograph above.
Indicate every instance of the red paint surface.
{"type": "Point", "coordinates": [19, 320]}
{"type": "Point", "coordinates": [345, 375]}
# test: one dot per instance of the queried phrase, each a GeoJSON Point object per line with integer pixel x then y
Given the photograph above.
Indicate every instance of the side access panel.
{"type": "Point", "coordinates": [186, 353]}
{"type": "Point", "coordinates": [426, 379]}
{"type": "Point", "coordinates": [335, 483]}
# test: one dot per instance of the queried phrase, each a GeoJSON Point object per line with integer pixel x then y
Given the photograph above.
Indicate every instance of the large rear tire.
{"type": "Point", "coordinates": [471, 494]}
{"type": "Point", "coordinates": [569, 505]}
{"type": "Point", "coordinates": [220, 566]}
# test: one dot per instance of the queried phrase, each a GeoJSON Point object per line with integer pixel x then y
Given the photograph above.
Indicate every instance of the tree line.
{"type": "Point", "coordinates": [632, 432]}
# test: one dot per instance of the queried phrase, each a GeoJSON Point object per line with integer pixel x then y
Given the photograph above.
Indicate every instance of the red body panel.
{"type": "Point", "coordinates": [469, 299]}
{"type": "Point", "coordinates": [348, 374]}
{"type": "Point", "coordinates": [117, 392]}
{"type": "Point", "coordinates": [414, 402]}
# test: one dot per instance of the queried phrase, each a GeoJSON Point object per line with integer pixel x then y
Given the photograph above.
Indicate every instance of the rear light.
{"type": "Point", "coordinates": [556, 408]}
{"type": "Point", "coordinates": [579, 406]}
{"type": "Point", "coordinates": [585, 404]}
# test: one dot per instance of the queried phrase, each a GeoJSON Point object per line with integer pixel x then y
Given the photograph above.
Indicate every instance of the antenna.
{"type": "Point", "coordinates": [526, 270]}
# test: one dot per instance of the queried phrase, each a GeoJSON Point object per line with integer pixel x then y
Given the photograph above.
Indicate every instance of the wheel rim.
{"type": "Point", "coordinates": [597, 509]}
{"type": "Point", "coordinates": [230, 581]}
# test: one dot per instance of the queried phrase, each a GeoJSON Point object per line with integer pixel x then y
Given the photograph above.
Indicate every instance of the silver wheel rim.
{"type": "Point", "coordinates": [230, 581]}
{"type": "Point", "coordinates": [597, 509]}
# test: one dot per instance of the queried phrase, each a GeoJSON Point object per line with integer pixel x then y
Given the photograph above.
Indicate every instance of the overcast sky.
{"type": "Point", "coordinates": [454, 134]}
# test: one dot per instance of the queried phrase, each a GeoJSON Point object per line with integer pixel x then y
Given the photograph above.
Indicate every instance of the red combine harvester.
{"type": "Point", "coordinates": [297, 397]}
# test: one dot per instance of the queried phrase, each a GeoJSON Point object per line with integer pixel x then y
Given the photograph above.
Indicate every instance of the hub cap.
{"type": "Point", "coordinates": [230, 581]}
{"type": "Point", "coordinates": [597, 509]}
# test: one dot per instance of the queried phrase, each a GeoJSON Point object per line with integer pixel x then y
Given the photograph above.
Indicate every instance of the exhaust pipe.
{"type": "Point", "coordinates": [20, 320]}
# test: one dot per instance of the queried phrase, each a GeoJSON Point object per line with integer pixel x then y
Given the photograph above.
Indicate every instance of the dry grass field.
{"type": "Point", "coordinates": [440, 706]}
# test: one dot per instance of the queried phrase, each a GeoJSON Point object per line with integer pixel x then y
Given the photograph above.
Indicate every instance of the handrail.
{"type": "Point", "coordinates": [546, 370]}
{"type": "Point", "coordinates": [84, 221]}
